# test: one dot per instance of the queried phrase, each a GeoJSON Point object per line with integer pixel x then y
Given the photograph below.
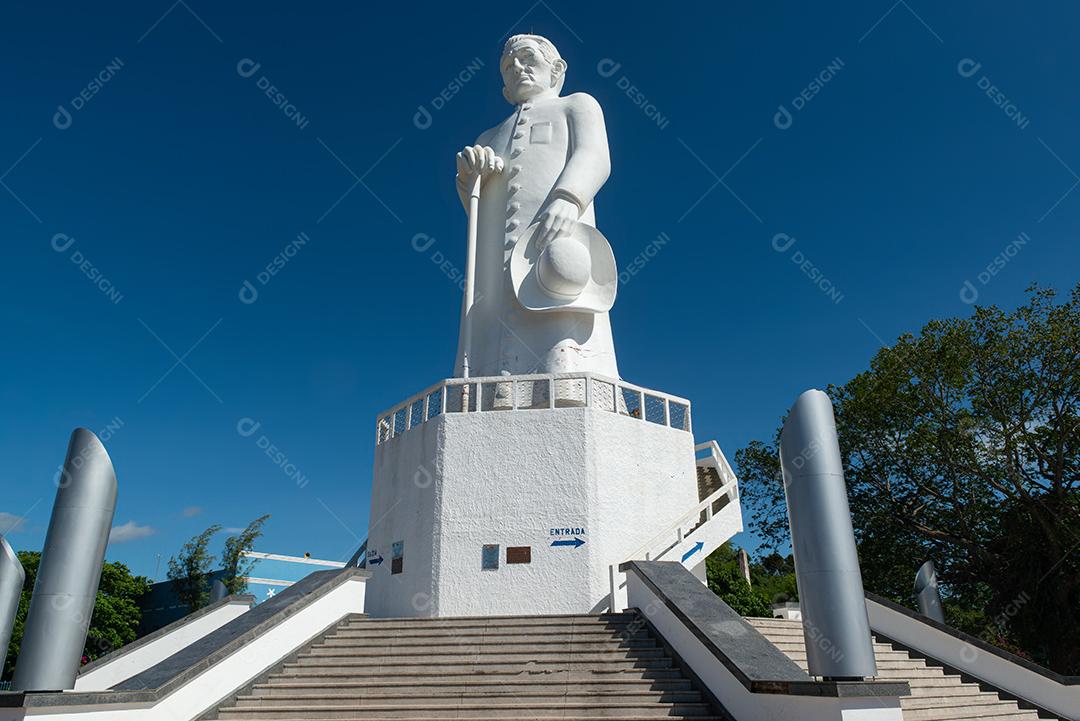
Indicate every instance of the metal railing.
{"type": "Point", "coordinates": [533, 392]}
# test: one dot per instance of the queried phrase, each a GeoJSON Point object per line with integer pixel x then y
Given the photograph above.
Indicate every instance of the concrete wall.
{"type": "Point", "coordinates": [460, 481]}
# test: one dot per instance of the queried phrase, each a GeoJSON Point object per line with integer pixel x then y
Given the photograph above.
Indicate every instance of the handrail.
{"type": "Point", "coordinates": [597, 390]}
{"type": "Point", "coordinates": [642, 553]}
{"type": "Point", "coordinates": [729, 487]}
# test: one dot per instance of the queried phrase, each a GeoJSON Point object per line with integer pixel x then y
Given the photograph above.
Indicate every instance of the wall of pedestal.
{"type": "Point", "coordinates": [563, 494]}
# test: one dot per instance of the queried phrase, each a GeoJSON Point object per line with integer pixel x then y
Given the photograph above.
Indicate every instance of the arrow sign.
{"type": "Point", "coordinates": [375, 560]}
{"type": "Point", "coordinates": [697, 547]}
{"type": "Point", "coordinates": [576, 543]}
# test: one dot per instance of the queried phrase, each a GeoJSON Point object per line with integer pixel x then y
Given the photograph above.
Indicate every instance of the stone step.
{"type": "Point", "coordinates": [482, 655]}
{"type": "Point", "coordinates": [956, 712]}
{"type": "Point", "coordinates": [937, 682]}
{"type": "Point", "coordinates": [358, 649]}
{"type": "Point", "coordinates": [517, 635]}
{"type": "Point", "coordinates": [306, 716]}
{"type": "Point", "coordinates": [945, 700]}
{"type": "Point", "coordinates": [910, 673]}
{"type": "Point", "coordinates": [955, 690]}
{"type": "Point", "coordinates": [796, 644]}
{"type": "Point", "coordinates": [426, 666]}
{"type": "Point", "coordinates": [606, 709]}
{"type": "Point", "coordinates": [891, 656]}
{"type": "Point", "coordinates": [443, 688]}
{"type": "Point", "coordinates": [510, 674]}
{"type": "Point", "coordinates": [551, 697]}
{"type": "Point", "coordinates": [603, 620]}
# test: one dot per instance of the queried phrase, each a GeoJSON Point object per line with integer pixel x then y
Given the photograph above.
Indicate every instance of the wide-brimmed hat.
{"type": "Point", "coordinates": [573, 272]}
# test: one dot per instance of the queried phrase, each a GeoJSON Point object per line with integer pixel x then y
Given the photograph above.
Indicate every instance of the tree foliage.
{"type": "Point", "coordinates": [961, 445]}
{"type": "Point", "coordinates": [116, 616]}
{"type": "Point", "coordinates": [237, 567]}
{"type": "Point", "coordinates": [772, 580]}
{"type": "Point", "coordinates": [190, 569]}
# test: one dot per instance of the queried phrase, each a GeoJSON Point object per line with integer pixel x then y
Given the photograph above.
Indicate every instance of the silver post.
{"type": "Point", "coordinates": [70, 568]}
{"type": "Point", "coordinates": [12, 577]}
{"type": "Point", "coordinates": [926, 592]}
{"type": "Point", "coordinates": [835, 625]}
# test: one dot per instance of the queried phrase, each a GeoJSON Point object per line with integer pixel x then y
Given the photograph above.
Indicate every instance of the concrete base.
{"type": "Point", "coordinates": [524, 479]}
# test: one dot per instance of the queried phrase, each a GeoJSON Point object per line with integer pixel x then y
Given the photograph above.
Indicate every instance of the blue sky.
{"type": "Point", "coordinates": [919, 142]}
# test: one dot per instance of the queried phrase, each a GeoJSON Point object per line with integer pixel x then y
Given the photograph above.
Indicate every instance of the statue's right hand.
{"type": "Point", "coordinates": [476, 159]}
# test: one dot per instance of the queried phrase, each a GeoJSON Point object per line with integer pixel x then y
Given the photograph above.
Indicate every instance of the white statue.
{"type": "Point", "coordinates": [545, 278]}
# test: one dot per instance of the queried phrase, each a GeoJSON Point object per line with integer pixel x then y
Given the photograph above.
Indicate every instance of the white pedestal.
{"type": "Point", "coordinates": [519, 478]}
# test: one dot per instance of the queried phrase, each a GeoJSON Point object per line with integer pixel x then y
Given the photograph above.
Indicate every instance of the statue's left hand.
{"type": "Point", "coordinates": [557, 219]}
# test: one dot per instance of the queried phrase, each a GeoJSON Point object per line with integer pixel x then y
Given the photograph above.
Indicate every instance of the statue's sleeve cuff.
{"type": "Point", "coordinates": [568, 195]}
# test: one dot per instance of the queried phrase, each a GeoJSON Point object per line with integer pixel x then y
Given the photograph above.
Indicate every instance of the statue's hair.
{"type": "Point", "coordinates": [547, 48]}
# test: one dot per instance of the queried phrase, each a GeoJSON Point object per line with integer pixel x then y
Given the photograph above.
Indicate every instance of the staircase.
{"type": "Point", "coordinates": [526, 667]}
{"type": "Point", "coordinates": [936, 695]}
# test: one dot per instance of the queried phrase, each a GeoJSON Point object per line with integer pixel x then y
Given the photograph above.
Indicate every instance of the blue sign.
{"type": "Point", "coordinates": [697, 547]}
{"type": "Point", "coordinates": [575, 542]}
{"type": "Point", "coordinates": [373, 558]}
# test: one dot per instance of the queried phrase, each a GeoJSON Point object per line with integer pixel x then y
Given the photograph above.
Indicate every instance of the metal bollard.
{"type": "Point", "coordinates": [835, 624]}
{"type": "Point", "coordinates": [70, 569]}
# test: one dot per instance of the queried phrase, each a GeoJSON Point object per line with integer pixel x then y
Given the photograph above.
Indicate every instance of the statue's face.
{"type": "Point", "coordinates": [526, 74]}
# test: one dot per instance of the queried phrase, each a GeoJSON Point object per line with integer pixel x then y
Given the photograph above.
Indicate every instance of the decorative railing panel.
{"type": "Point", "coordinates": [532, 392]}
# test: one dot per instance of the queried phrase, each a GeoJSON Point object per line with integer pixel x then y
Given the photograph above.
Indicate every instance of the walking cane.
{"type": "Point", "coordinates": [470, 277]}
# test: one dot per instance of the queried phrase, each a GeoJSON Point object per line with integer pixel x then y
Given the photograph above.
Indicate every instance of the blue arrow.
{"type": "Point", "coordinates": [697, 547]}
{"type": "Point", "coordinates": [576, 543]}
{"type": "Point", "coordinates": [375, 561]}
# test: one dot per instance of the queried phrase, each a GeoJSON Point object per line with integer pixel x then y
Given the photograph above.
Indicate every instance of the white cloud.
{"type": "Point", "coordinates": [10, 523]}
{"type": "Point", "coordinates": [191, 511]}
{"type": "Point", "coordinates": [130, 531]}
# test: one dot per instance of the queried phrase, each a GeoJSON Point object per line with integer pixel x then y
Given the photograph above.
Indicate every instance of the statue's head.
{"type": "Point", "coordinates": [531, 68]}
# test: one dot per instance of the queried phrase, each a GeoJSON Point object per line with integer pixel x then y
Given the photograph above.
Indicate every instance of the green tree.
{"type": "Point", "coordinates": [190, 569]}
{"type": "Point", "coordinates": [114, 623]}
{"type": "Point", "coordinates": [237, 567]}
{"type": "Point", "coordinates": [726, 581]}
{"type": "Point", "coordinates": [961, 445]}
